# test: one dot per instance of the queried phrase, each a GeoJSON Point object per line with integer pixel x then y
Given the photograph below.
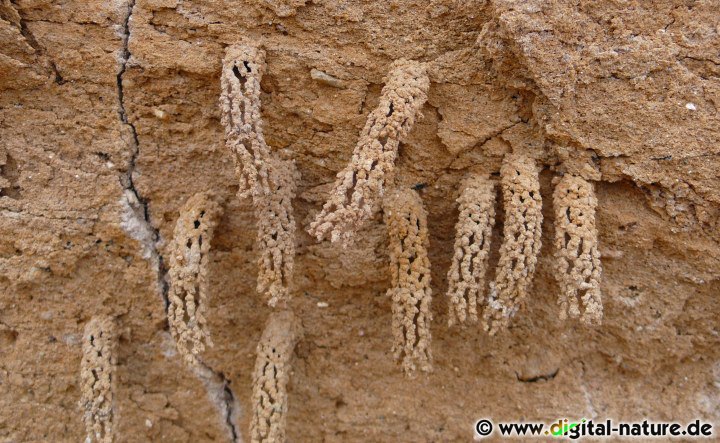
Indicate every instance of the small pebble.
{"type": "Point", "coordinates": [322, 304]}
{"type": "Point", "coordinates": [327, 79]}
{"type": "Point", "coordinates": [691, 106]}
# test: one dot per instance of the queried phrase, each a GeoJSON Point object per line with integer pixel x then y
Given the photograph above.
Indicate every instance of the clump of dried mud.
{"type": "Point", "coordinates": [109, 122]}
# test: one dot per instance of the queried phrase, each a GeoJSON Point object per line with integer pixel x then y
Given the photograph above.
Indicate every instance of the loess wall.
{"type": "Point", "coordinates": [109, 122]}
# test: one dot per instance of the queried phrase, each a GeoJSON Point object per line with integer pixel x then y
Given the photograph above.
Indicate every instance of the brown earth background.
{"type": "Point", "coordinates": [109, 121]}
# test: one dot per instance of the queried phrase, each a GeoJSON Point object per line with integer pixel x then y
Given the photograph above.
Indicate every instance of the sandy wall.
{"type": "Point", "coordinates": [109, 121]}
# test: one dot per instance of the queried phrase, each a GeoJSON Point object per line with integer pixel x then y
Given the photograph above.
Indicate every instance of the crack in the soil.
{"type": "Point", "coordinates": [229, 399]}
{"type": "Point", "coordinates": [221, 394]}
{"type": "Point", "coordinates": [217, 384]}
{"type": "Point", "coordinates": [37, 47]}
{"type": "Point", "coordinates": [127, 179]}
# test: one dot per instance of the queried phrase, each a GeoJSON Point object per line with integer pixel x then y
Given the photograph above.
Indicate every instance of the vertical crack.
{"type": "Point", "coordinates": [145, 231]}
{"type": "Point", "coordinates": [230, 410]}
{"type": "Point", "coordinates": [37, 47]}
{"type": "Point", "coordinates": [220, 393]}
{"type": "Point", "coordinates": [137, 221]}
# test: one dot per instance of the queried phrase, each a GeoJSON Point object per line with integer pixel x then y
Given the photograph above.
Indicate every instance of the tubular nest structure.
{"type": "Point", "coordinates": [473, 233]}
{"type": "Point", "coordinates": [410, 291]}
{"type": "Point", "coordinates": [272, 371]}
{"type": "Point", "coordinates": [269, 180]}
{"type": "Point", "coordinates": [97, 379]}
{"type": "Point", "coordinates": [360, 186]}
{"type": "Point", "coordinates": [189, 259]}
{"type": "Point", "coordinates": [576, 249]}
{"type": "Point", "coordinates": [521, 241]}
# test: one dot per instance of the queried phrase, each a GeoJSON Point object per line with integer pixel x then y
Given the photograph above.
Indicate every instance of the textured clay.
{"type": "Point", "coordinates": [473, 231]}
{"type": "Point", "coordinates": [360, 186]}
{"type": "Point", "coordinates": [577, 255]}
{"type": "Point", "coordinates": [189, 260]}
{"type": "Point", "coordinates": [521, 241]}
{"type": "Point", "coordinates": [410, 291]}
{"type": "Point", "coordinates": [268, 179]}
{"type": "Point", "coordinates": [97, 379]}
{"type": "Point", "coordinates": [271, 375]}
{"type": "Point", "coordinates": [110, 120]}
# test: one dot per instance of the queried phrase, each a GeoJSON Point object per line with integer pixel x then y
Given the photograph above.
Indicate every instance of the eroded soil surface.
{"type": "Point", "coordinates": [109, 122]}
